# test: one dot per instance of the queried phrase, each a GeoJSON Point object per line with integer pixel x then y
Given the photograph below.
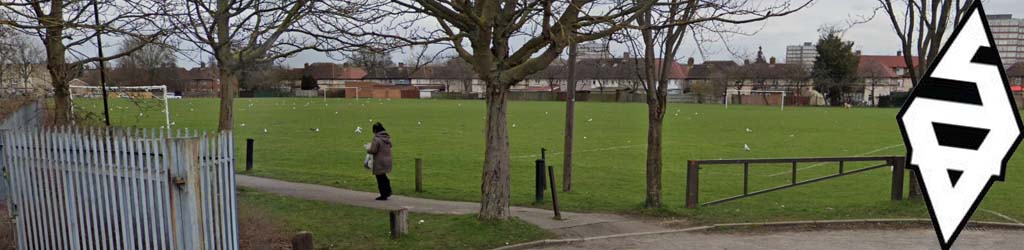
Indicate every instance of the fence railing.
{"type": "Point", "coordinates": [693, 174]}
{"type": "Point", "coordinates": [77, 188]}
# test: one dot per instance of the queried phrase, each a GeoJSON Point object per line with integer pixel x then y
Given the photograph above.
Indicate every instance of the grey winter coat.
{"type": "Point", "coordinates": [380, 148]}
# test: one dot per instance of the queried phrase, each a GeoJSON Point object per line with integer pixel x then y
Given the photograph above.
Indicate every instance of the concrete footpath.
{"type": "Point", "coordinates": [809, 240]}
{"type": "Point", "coordinates": [572, 225]}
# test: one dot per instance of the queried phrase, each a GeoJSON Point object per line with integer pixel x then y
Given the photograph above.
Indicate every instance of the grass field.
{"type": "Point", "coordinates": [337, 226]}
{"type": "Point", "coordinates": [609, 158]}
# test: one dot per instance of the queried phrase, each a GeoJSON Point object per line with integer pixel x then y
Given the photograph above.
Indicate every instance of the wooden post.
{"type": "Point", "coordinates": [302, 241]}
{"type": "Point", "coordinates": [897, 178]}
{"type": "Point", "coordinates": [554, 193]}
{"type": "Point", "coordinates": [419, 175]}
{"type": "Point", "coordinates": [915, 186]}
{"type": "Point", "coordinates": [691, 183]}
{"type": "Point", "coordinates": [399, 222]}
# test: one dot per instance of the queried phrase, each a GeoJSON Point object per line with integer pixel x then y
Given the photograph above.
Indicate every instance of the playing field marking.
{"type": "Point", "coordinates": [823, 163]}
{"type": "Point", "coordinates": [1002, 216]}
{"type": "Point", "coordinates": [582, 151]}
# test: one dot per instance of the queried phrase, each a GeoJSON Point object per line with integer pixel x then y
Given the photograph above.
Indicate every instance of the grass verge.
{"type": "Point", "coordinates": [336, 226]}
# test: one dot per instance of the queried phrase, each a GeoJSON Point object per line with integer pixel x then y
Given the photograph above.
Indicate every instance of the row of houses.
{"type": "Point", "coordinates": [880, 75]}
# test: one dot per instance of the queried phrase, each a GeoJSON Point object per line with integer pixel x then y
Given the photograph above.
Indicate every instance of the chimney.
{"type": "Point", "coordinates": [899, 53]}
{"type": "Point", "coordinates": [625, 55]}
{"type": "Point", "coordinates": [401, 65]}
{"type": "Point", "coordinates": [202, 65]}
{"type": "Point", "coordinates": [858, 53]}
{"type": "Point", "coordinates": [746, 61]}
{"type": "Point", "coordinates": [771, 60]}
{"type": "Point", "coordinates": [305, 65]}
{"type": "Point", "coordinates": [689, 62]}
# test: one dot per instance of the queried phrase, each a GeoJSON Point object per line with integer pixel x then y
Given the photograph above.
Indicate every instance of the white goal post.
{"type": "Point", "coordinates": [162, 88]}
{"type": "Point", "coordinates": [326, 88]}
{"type": "Point", "coordinates": [729, 93]}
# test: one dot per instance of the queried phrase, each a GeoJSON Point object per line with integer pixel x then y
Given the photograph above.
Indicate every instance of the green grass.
{"type": "Point", "coordinates": [337, 226]}
{"type": "Point", "coordinates": [609, 159]}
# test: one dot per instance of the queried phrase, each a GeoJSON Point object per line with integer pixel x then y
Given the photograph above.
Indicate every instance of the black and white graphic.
{"type": "Point", "coordinates": [960, 125]}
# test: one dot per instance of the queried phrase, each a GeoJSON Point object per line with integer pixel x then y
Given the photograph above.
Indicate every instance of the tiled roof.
{"type": "Point", "coordinates": [1017, 70]}
{"type": "Point", "coordinates": [331, 71]}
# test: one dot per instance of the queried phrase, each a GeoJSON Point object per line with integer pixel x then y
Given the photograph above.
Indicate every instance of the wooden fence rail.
{"type": "Point", "coordinates": [74, 188]}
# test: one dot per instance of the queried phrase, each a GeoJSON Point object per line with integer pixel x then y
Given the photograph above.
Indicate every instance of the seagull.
{"type": "Point", "coordinates": [749, 131]}
{"type": "Point", "coordinates": [590, 120]}
{"type": "Point", "coordinates": [419, 123]}
{"type": "Point", "coordinates": [359, 130]}
{"type": "Point", "coordinates": [584, 137]}
{"type": "Point", "coordinates": [264, 130]}
{"type": "Point", "coordinates": [191, 110]}
{"type": "Point", "coordinates": [172, 123]}
{"type": "Point", "coordinates": [243, 124]}
{"type": "Point", "coordinates": [335, 112]}
{"type": "Point", "coordinates": [315, 129]}
{"type": "Point", "coordinates": [371, 120]}
{"type": "Point", "coordinates": [140, 114]}
{"type": "Point", "coordinates": [746, 147]}
{"type": "Point", "coordinates": [545, 113]}
{"type": "Point", "coordinates": [513, 125]}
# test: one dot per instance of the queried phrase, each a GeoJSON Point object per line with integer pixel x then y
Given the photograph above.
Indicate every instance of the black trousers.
{"type": "Point", "coordinates": [384, 185]}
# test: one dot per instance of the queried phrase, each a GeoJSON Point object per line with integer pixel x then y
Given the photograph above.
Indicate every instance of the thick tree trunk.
{"type": "Point", "coordinates": [654, 122]}
{"type": "Point", "coordinates": [494, 191]}
{"type": "Point", "coordinates": [227, 99]}
{"type": "Point", "coordinates": [58, 67]}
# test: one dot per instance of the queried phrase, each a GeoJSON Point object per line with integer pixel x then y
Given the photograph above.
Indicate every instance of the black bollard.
{"type": "Point", "coordinates": [541, 183]}
{"type": "Point", "coordinates": [248, 154]}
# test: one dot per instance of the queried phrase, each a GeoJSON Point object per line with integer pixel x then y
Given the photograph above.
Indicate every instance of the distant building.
{"type": "Point", "coordinates": [331, 75]}
{"type": "Point", "coordinates": [804, 55]}
{"type": "Point", "coordinates": [1016, 75]}
{"type": "Point", "coordinates": [593, 50]}
{"type": "Point", "coordinates": [1009, 35]}
{"type": "Point", "coordinates": [881, 75]}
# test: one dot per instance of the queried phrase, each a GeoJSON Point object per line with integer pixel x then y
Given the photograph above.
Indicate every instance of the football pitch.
{"type": "Point", "coordinates": [315, 141]}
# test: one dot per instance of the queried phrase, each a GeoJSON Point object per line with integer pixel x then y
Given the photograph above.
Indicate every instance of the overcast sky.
{"type": "Point", "coordinates": [874, 38]}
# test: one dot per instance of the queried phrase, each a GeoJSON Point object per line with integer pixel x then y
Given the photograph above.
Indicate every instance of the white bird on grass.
{"type": "Point", "coordinates": [243, 124]}
{"type": "Point", "coordinates": [746, 147]}
{"type": "Point", "coordinates": [172, 123]}
{"type": "Point", "coordinates": [264, 130]}
{"type": "Point", "coordinates": [749, 131]}
{"type": "Point", "coordinates": [590, 120]}
{"type": "Point", "coordinates": [513, 125]}
{"type": "Point", "coordinates": [359, 130]}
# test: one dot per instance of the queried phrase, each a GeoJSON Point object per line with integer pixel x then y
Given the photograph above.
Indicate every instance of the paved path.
{"type": "Point", "coordinates": [573, 225]}
{"type": "Point", "coordinates": [839, 239]}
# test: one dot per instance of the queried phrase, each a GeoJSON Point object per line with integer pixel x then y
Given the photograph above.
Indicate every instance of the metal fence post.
{"type": "Point", "coordinates": [302, 241]}
{"type": "Point", "coordinates": [897, 178]}
{"type": "Point", "coordinates": [691, 183]}
{"type": "Point", "coordinates": [541, 184]}
{"type": "Point", "coordinates": [554, 194]}
{"type": "Point", "coordinates": [185, 194]}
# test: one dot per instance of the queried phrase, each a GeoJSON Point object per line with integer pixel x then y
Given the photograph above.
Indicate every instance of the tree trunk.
{"type": "Point", "coordinates": [570, 121]}
{"type": "Point", "coordinates": [58, 68]}
{"type": "Point", "coordinates": [227, 98]}
{"type": "Point", "coordinates": [494, 192]}
{"type": "Point", "coordinates": [654, 122]}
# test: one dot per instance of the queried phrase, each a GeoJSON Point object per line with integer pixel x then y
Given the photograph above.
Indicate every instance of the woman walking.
{"type": "Point", "coordinates": [380, 148]}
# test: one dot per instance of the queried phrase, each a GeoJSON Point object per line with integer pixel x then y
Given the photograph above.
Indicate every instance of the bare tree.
{"type": "Point", "coordinates": [19, 58]}
{"type": "Point", "coordinates": [921, 26]}
{"type": "Point", "coordinates": [661, 31]}
{"type": "Point", "coordinates": [152, 64]}
{"type": "Point", "coordinates": [67, 28]}
{"type": "Point", "coordinates": [370, 58]}
{"type": "Point", "coordinates": [241, 33]}
{"type": "Point", "coordinates": [486, 34]}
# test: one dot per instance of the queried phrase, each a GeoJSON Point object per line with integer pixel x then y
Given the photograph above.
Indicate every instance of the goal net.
{"type": "Point", "coordinates": [136, 105]}
{"type": "Point", "coordinates": [756, 97]}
